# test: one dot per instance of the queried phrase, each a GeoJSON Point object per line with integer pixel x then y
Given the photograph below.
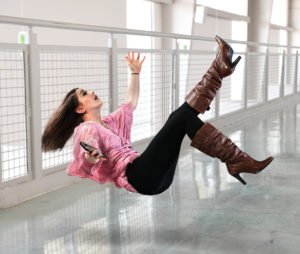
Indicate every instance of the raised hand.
{"type": "Point", "coordinates": [134, 63]}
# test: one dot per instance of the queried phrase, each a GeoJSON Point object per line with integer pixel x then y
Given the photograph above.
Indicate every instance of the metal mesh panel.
{"type": "Point", "coordinates": [289, 82]}
{"type": "Point", "coordinates": [155, 102]}
{"type": "Point", "coordinates": [274, 75]}
{"type": "Point", "coordinates": [13, 140]}
{"type": "Point", "coordinates": [61, 71]}
{"type": "Point", "coordinates": [255, 79]}
{"type": "Point", "coordinates": [191, 69]}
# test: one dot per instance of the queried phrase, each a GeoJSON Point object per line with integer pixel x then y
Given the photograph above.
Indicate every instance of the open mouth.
{"type": "Point", "coordinates": [96, 97]}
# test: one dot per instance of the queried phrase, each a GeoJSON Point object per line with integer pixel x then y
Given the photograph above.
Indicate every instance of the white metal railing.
{"type": "Point", "coordinates": [34, 79]}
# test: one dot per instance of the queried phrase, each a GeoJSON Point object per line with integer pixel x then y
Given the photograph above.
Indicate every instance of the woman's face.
{"type": "Point", "coordinates": [88, 101]}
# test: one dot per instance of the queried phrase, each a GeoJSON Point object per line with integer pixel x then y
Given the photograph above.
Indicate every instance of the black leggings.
{"type": "Point", "coordinates": [153, 171]}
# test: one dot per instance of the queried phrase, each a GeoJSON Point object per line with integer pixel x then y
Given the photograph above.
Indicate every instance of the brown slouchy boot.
{"type": "Point", "coordinates": [213, 143]}
{"type": "Point", "coordinates": [205, 91]}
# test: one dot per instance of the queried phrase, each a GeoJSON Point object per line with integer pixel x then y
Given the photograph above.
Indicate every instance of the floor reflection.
{"type": "Point", "coordinates": [205, 210]}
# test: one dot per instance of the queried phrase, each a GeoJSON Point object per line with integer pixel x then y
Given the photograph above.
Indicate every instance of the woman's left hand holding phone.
{"type": "Point", "coordinates": [92, 154]}
{"type": "Point", "coordinates": [93, 157]}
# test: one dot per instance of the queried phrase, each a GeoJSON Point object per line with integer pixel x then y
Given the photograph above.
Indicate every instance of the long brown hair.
{"type": "Point", "coordinates": [61, 125]}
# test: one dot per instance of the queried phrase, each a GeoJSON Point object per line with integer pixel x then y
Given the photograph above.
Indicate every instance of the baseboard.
{"type": "Point", "coordinates": [15, 194]}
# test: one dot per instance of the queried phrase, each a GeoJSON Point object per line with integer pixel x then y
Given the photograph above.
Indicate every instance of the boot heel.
{"type": "Point", "coordinates": [237, 176]}
{"type": "Point", "coordinates": [236, 61]}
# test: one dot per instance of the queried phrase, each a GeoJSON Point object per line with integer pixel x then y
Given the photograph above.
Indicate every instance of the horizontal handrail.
{"type": "Point", "coordinates": [115, 30]}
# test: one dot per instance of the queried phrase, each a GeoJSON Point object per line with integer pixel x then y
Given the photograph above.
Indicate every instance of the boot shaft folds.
{"type": "Point", "coordinates": [205, 91]}
{"type": "Point", "coordinates": [212, 142]}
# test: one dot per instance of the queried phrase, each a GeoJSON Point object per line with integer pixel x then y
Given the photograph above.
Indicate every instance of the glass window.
{"type": "Point", "coordinates": [140, 15]}
{"type": "Point", "coordinates": [280, 12]}
{"type": "Point", "coordinates": [239, 7]}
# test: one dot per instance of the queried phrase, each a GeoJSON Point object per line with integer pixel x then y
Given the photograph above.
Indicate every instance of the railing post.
{"type": "Point", "coordinates": [113, 89]}
{"type": "Point", "coordinates": [29, 144]}
{"type": "Point", "coordinates": [296, 74]}
{"type": "Point", "coordinates": [266, 84]}
{"type": "Point", "coordinates": [282, 75]}
{"type": "Point", "coordinates": [35, 106]}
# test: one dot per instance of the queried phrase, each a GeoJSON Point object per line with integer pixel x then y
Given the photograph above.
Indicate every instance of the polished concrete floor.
{"type": "Point", "coordinates": [204, 211]}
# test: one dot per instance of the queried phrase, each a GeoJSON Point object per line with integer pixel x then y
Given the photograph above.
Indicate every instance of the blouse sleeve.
{"type": "Point", "coordinates": [80, 166]}
{"type": "Point", "coordinates": [120, 121]}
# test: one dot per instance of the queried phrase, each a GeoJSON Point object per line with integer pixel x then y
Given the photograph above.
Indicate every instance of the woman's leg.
{"type": "Point", "coordinates": [153, 171]}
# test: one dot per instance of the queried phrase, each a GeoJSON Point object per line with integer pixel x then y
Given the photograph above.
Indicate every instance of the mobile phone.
{"type": "Point", "coordinates": [91, 149]}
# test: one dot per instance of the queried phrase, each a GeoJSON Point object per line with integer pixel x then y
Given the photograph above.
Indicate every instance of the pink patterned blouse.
{"type": "Point", "coordinates": [114, 144]}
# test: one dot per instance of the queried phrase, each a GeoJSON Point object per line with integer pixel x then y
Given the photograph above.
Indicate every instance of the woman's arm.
{"type": "Point", "coordinates": [135, 66]}
{"type": "Point", "coordinates": [133, 90]}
